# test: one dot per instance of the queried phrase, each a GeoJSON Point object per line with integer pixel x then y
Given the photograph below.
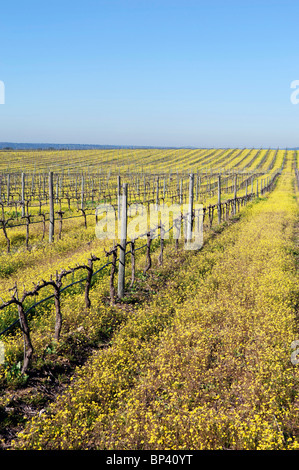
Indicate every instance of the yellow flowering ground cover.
{"type": "Point", "coordinates": [206, 364]}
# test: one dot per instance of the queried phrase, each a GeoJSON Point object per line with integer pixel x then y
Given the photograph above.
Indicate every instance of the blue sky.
{"type": "Point", "coordinates": [149, 72]}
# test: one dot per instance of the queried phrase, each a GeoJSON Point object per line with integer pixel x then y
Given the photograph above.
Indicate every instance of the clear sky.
{"type": "Point", "coordinates": [150, 72]}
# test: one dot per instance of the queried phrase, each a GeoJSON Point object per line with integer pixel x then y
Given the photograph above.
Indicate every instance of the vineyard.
{"type": "Point", "coordinates": [135, 342]}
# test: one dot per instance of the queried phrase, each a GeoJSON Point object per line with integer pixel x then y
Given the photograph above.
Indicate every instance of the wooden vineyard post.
{"type": "Point", "coordinates": [32, 183]}
{"type": "Point", "coordinates": [44, 187]}
{"type": "Point", "coordinates": [27, 217]}
{"type": "Point", "coordinates": [123, 241]}
{"type": "Point", "coordinates": [197, 186]}
{"type": "Point", "coordinates": [181, 191]}
{"type": "Point", "coordinates": [219, 199]}
{"type": "Point", "coordinates": [235, 196]}
{"type": "Point", "coordinates": [118, 196]}
{"type": "Point", "coordinates": [57, 183]}
{"type": "Point", "coordinates": [190, 208]}
{"type": "Point", "coordinates": [23, 194]}
{"type": "Point", "coordinates": [82, 192]}
{"type": "Point", "coordinates": [144, 189]}
{"type": "Point", "coordinates": [76, 187]}
{"type": "Point", "coordinates": [8, 187]}
{"type": "Point", "coordinates": [51, 203]}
